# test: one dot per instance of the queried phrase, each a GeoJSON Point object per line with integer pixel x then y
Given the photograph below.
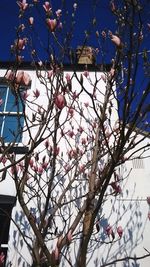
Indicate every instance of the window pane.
{"type": "Point", "coordinates": [10, 124]}
{"type": "Point", "coordinates": [13, 103]}
{"type": "Point", "coordinates": [12, 130]}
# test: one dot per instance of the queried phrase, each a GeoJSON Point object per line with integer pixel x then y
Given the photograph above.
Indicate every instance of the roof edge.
{"type": "Point", "coordinates": [75, 67]}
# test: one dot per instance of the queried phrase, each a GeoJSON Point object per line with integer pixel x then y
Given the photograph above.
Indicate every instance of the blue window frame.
{"type": "Point", "coordinates": [11, 115]}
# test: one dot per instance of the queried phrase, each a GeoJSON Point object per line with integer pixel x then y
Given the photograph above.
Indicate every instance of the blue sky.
{"type": "Point", "coordinates": [86, 11]}
{"type": "Point", "coordinates": [8, 20]}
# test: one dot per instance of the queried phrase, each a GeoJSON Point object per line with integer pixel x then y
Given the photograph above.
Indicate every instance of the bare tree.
{"type": "Point", "coordinates": [80, 129]}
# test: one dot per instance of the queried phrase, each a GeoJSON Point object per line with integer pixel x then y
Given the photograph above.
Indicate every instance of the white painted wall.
{"type": "Point", "coordinates": [129, 209]}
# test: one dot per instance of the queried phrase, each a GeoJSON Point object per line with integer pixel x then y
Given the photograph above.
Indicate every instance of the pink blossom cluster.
{"type": "Point", "coordinates": [116, 187]}
{"type": "Point", "coordinates": [21, 77]}
{"type": "Point", "coordinates": [38, 168]}
{"type": "Point", "coordinates": [22, 5]}
{"type": "Point", "coordinates": [20, 43]}
{"type": "Point", "coordinates": [52, 24]}
{"type": "Point", "coordinates": [110, 232]}
{"type": "Point", "coordinates": [2, 258]}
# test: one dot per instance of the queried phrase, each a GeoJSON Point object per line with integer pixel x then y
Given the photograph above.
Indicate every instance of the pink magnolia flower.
{"type": "Point", "coordinates": [83, 141]}
{"type": "Point", "coordinates": [25, 95]}
{"type": "Point", "coordinates": [21, 27]}
{"type": "Point", "coordinates": [112, 6]}
{"type": "Point", "coordinates": [67, 167]}
{"type": "Point", "coordinates": [20, 43]}
{"type": "Point", "coordinates": [55, 253]}
{"type": "Point", "coordinates": [80, 129]}
{"type": "Point", "coordinates": [40, 170]}
{"type": "Point", "coordinates": [19, 77]}
{"type": "Point", "coordinates": [72, 154]}
{"type": "Point", "coordinates": [31, 163]}
{"type": "Point", "coordinates": [86, 104]}
{"type": "Point", "coordinates": [35, 168]}
{"type": "Point", "coordinates": [60, 101]}
{"type": "Point", "coordinates": [86, 73]}
{"type": "Point", "coordinates": [116, 187]}
{"type": "Point", "coordinates": [119, 231]}
{"type": "Point", "coordinates": [103, 77]}
{"type": "Point", "coordinates": [68, 78]}
{"type": "Point", "coordinates": [1, 101]}
{"type": "Point", "coordinates": [97, 34]}
{"type": "Point", "coordinates": [21, 166]}
{"type": "Point", "coordinates": [81, 168]}
{"type": "Point", "coordinates": [71, 111]}
{"type": "Point", "coordinates": [58, 13]}
{"type": "Point", "coordinates": [14, 169]}
{"type": "Point", "coordinates": [141, 36]}
{"type": "Point", "coordinates": [109, 230]}
{"type": "Point", "coordinates": [103, 34]}
{"type": "Point", "coordinates": [47, 6]}
{"type": "Point", "coordinates": [36, 93]}
{"type": "Point", "coordinates": [116, 40]}
{"type": "Point", "coordinates": [112, 72]}
{"type": "Point", "coordinates": [56, 151]}
{"type": "Point", "coordinates": [3, 160]}
{"type": "Point", "coordinates": [50, 74]}
{"type": "Point", "coordinates": [26, 79]}
{"type": "Point", "coordinates": [44, 165]}
{"type": "Point", "coordinates": [23, 78]}
{"type": "Point", "coordinates": [75, 95]}
{"type": "Point", "coordinates": [148, 200]}
{"type": "Point", "coordinates": [2, 258]}
{"type": "Point", "coordinates": [31, 20]}
{"type": "Point", "coordinates": [47, 143]}
{"type": "Point", "coordinates": [60, 25]}
{"type": "Point", "coordinates": [52, 24]}
{"type": "Point", "coordinates": [10, 75]}
{"type": "Point", "coordinates": [40, 63]}
{"type": "Point", "coordinates": [22, 4]}
{"type": "Point", "coordinates": [70, 134]}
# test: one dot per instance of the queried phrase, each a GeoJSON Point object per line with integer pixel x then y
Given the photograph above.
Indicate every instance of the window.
{"type": "Point", "coordinates": [11, 115]}
{"type": "Point", "coordinates": [6, 205]}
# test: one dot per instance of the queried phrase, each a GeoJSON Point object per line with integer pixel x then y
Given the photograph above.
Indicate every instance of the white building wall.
{"type": "Point", "coordinates": [129, 209]}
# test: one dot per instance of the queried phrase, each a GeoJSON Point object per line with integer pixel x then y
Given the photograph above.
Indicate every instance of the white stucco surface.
{"type": "Point", "coordinates": [129, 209]}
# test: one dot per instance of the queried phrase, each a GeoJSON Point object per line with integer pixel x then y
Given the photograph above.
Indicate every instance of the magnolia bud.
{"type": "Point", "coordinates": [119, 231]}
{"type": "Point", "coordinates": [60, 101]}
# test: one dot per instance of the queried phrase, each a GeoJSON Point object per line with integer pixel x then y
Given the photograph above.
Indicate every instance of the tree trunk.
{"type": "Point", "coordinates": [88, 223]}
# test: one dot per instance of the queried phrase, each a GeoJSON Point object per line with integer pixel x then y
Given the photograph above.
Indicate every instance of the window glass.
{"type": "Point", "coordinates": [6, 206]}
{"type": "Point", "coordinates": [11, 128]}
{"type": "Point", "coordinates": [11, 115]}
